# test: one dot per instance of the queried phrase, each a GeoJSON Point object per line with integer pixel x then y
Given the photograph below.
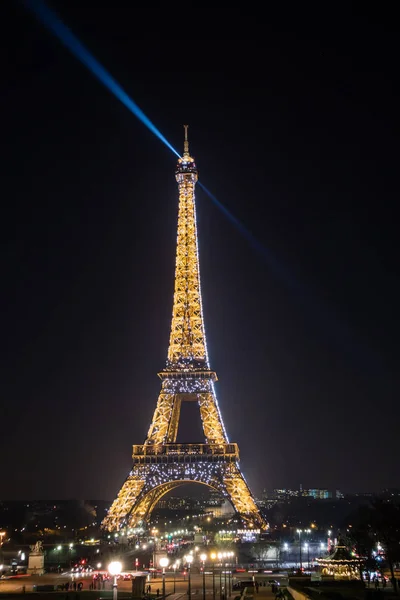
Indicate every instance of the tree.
{"type": "Point", "coordinates": [373, 524]}
{"type": "Point", "coordinates": [361, 540]}
{"type": "Point", "coordinates": [386, 525]}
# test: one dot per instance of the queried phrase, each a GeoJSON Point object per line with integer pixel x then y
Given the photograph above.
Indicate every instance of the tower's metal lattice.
{"type": "Point", "coordinates": [160, 464]}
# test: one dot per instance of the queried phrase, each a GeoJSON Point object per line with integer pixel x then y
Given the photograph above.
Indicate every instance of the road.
{"type": "Point", "coordinates": [180, 586]}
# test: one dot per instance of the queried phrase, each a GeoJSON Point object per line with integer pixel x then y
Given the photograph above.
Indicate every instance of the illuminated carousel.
{"type": "Point", "coordinates": [340, 564]}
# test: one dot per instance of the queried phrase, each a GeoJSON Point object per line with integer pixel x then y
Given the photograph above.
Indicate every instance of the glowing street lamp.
{"type": "Point", "coordinates": [115, 568]}
{"type": "Point", "coordinates": [176, 566]}
{"type": "Point", "coordinates": [225, 555]}
{"type": "Point", "coordinates": [230, 555]}
{"type": "Point", "coordinates": [307, 547]}
{"type": "Point", "coordinates": [189, 559]}
{"type": "Point", "coordinates": [220, 574]}
{"type": "Point", "coordinates": [203, 558]}
{"type": "Point", "coordinates": [213, 556]}
{"type": "Point", "coordinates": [164, 562]}
{"type": "Point", "coordinates": [300, 531]}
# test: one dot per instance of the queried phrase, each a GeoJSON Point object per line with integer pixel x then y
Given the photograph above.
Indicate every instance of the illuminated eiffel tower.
{"type": "Point", "coordinates": [160, 464]}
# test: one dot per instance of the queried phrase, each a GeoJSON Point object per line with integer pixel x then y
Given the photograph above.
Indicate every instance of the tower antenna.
{"type": "Point", "coordinates": [186, 142]}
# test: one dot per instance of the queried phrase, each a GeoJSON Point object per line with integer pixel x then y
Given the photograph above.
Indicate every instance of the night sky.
{"type": "Point", "coordinates": [294, 127]}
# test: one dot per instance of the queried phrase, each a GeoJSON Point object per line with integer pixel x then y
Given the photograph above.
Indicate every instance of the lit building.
{"type": "Point", "coordinates": [341, 564]}
{"type": "Point", "coordinates": [318, 493]}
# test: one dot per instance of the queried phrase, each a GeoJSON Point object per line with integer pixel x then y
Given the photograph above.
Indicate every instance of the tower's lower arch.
{"type": "Point", "coordinates": [154, 474]}
{"type": "Point", "coordinates": [147, 504]}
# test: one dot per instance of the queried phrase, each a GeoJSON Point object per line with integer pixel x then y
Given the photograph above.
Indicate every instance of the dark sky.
{"type": "Point", "coordinates": [294, 127]}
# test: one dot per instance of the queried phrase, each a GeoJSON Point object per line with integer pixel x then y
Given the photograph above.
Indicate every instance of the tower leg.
{"type": "Point", "coordinates": [240, 496]}
{"type": "Point", "coordinates": [123, 503]}
{"type": "Point", "coordinates": [211, 419]}
{"type": "Point", "coordinates": [160, 424]}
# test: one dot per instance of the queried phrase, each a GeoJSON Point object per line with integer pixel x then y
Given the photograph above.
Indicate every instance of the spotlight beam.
{"type": "Point", "coordinates": [65, 35]}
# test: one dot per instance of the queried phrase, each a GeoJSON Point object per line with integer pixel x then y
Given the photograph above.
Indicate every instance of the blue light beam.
{"type": "Point", "coordinates": [61, 31]}
{"type": "Point", "coordinates": [339, 331]}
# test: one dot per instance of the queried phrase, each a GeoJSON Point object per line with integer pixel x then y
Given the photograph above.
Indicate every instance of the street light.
{"type": "Point", "coordinates": [286, 550]}
{"type": "Point", "coordinates": [176, 565]}
{"type": "Point", "coordinates": [213, 556]}
{"type": "Point", "coordinates": [189, 560]}
{"type": "Point", "coordinates": [164, 562]}
{"type": "Point", "coordinates": [307, 547]}
{"type": "Point", "coordinates": [220, 574]}
{"type": "Point", "coordinates": [203, 558]}
{"type": "Point", "coordinates": [300, 531]}
{"type": "Point", "coordinates": [115, 568]}
{"type": "Point", "coordinates": [231, 555]}
{"type": "Point", "coordinates": [224, 555]}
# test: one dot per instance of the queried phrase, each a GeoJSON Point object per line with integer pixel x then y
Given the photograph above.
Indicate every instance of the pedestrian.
{"type": "Point", "coordinates": [158, 592]}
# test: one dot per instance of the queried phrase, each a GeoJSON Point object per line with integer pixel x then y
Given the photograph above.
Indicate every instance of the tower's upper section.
{"type": "Point", "coordinates": [187, 350]}
{"type": "Point", "coordinates": [186, 167]}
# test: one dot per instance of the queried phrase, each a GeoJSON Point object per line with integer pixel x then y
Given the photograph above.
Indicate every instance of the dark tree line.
{"type": "Point", "coordinates": [378, 523]}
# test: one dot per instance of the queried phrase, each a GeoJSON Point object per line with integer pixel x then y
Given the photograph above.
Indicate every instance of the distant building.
{"type": "Point", "coordinates": [284, 494]}
{"type": "Point", "coordinates": [224, 510]}
{"type": "Point", "coordinates": [318, 493]}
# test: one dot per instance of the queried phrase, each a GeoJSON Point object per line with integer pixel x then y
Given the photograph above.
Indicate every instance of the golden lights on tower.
{"type": "Point", "coordinates": [160, 464]}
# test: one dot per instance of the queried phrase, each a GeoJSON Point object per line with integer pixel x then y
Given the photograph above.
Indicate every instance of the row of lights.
{"type": "Point", "coordinates": [188, 558]}
{"type": "Point", "coordinates": [306, 545]}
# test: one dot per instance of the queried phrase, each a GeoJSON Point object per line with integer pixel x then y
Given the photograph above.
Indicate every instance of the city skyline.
{"type": "Point", "coordinates": [300, 292]}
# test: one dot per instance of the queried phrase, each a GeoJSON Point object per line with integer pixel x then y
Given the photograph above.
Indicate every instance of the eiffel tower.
{"type": "Point", "coordinates": [160, 464]}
